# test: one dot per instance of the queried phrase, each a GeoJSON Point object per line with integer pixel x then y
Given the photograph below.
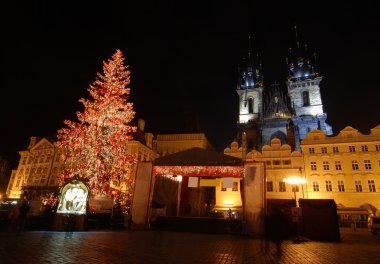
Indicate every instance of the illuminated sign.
{"type": "Point", "coordinates": [73, 199]}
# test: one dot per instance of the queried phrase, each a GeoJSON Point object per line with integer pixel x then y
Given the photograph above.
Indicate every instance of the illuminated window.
{"type": "Point", "coordinates": [286, 162]}
{"type": "Point", "coordinates": [324, 150]}
{"type": "Point", "coordinates": [358, 186]}
{"type": "Point", "coordinates": [355, 165]}
{"type": "Point", "coordinates": [313, 165]}
{"type": "Point", "coordinates": [338, 165]}
{"type": "Point", "coordinates": [305, 98]}
{"type": "Point", "coordinates": [315, 186]}
{"type": "Point", "coordinates": [282, 186]}
{"type": "Point", "coordinates": [326, 165]}
{"type": "Point", "coordinates": [367, 165]}
{"type": "Point", "coordinates": [377, 147]}
{"type": "Point", "coordinates": [250, 105]}
{"type": "Point", "coordinates": [341, 186]}
{"type": "Point", "coordinates": [276, 162]}
{"type": "Point", "coordinates": [335, 149]}
{"type": "Point", "coordinates": [311, 150]}
{"type": "Point", "coordinates": [351, 148]}
{"type": "Point", "coordinates": [235, 187]}
{"type": "Point", "coordinates": [328, 186]}
{"type": "Point", "coordinates": [269, 186]}
{"type": "Point", "coordinates": [364, 148]}
{"type": "Point", "coordinates": [371, 186]}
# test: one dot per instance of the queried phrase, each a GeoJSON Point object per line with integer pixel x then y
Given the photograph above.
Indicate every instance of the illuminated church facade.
{"type": "Point", "coordinates": [274, 112]}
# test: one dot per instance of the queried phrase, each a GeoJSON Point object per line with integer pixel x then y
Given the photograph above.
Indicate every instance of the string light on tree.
{"type": "Point", "coordinates": [95, 147]}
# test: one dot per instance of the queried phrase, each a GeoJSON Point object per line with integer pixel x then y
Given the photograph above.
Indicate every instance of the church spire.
{"type": "Point", "coordinates": [299, 64]}
{"type": "Point", "coordinates": [251, 74]}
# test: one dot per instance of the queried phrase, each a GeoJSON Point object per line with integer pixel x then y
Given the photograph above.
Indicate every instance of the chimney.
{"type": "Point", "coordinates": [32, 142]}
{"type": "Point", "coordinates": [141, 125]}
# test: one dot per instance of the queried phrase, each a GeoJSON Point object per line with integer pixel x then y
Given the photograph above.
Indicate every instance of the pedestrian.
{"type": "Point", "coordinates": [276, 227]}
{"type": "Point", "coordinates": [13, 215]}
{"type": "Point", "coordinates": [23, 214]}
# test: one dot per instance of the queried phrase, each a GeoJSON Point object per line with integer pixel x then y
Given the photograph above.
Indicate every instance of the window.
{"type": "Point", "coordinates": [315, 186]}
{"type": "Point", "coordinates": [235, 186]}
{"type": "Point", "coordinates": [351, 148]}
{"type": "Point", "coordinates": [286, 162]}
{"type": "Point", "coordinates": [250, 105]}
{"type": "Point", "coordinates": [367, 165]}
{"type": "Point", "coordinates": [305, 98]}
{"type": "Point", "coordinates": [313, 165]}
{"type": "Point", "coordinates": [223, 189]}
{"type": "Point", "coordinates": [335, 149]}
{"type": "Point", "coordinates": [377, 147]}
{"type": "Point", "coordinates": [269, 186]}
{"type": "Point", "coordinates": [338, 165]}
{"type": "Point", "coordinates": [324, 150]}
{"type": "Point", "coordinates": [371, 186]}
{"type": "Point", "coordinates": [52, 181]}
{"type": "Point", "coordinates": [311, 150]}
{"type": "Point", "coordinates": [268, 162]}
{"type": "Point", "coordinates": [295, 188]}
{"type": "Point", "coordinates": [328, 186]}
{"type": "Point", "coordinates": [24, 160]}
{"type": "Point", "coordinates": [358, 186]}
{"type": "Point", "coordinates": [42, 158]}
{"type": "Point", "coordinates": [276, 162]}
{"type": "Point", "coordinates": [341, 186]}
{"type": "Point", "coordinates": [326, 165]}
{"type": "Point", "coordinates": [355, 165]}
{"type": "Point", "coordinates": [364, 148]}
{"type": "Point", "coordinates": [282, 186]}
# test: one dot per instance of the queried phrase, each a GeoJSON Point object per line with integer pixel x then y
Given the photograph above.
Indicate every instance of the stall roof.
{"type": "Point", "coordinates": [197, 157]}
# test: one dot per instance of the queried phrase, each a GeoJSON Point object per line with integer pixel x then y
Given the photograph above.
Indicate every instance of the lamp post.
{"type": "Point", "coordinates": [296, 211]}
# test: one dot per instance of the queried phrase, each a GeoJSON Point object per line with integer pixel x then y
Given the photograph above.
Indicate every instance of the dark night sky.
{"type": "Point", "coordinates": [183, 57]}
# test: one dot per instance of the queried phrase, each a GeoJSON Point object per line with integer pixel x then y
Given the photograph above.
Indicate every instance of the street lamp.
{"type": "Point", "coordinates": [296, 211]}
{"type": "Point", "coordinates": [294, 181]}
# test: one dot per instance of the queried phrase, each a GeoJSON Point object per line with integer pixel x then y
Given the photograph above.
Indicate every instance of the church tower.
{"type": "Point", "coordinates": [304, 92]}
{"type": "Point", "coordinates": [250, 89]}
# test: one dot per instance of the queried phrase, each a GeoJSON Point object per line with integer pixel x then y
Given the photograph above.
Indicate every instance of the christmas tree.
{"type": "Point", "coordinates": [94, 149]}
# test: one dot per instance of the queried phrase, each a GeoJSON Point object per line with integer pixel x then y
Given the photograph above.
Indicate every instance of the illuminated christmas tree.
{"type": "Point", "coordinates": [94, 149]}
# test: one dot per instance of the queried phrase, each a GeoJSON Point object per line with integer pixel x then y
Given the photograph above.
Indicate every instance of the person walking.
{"type": "Point", "coordinates": [23, 214]}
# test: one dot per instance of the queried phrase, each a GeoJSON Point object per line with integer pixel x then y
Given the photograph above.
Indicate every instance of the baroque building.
{"type": "Point", "coordinates": [345, 167]}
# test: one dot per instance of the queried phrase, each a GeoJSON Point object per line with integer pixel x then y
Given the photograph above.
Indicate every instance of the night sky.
{"type": "Point", "coordinates": [183, 57]}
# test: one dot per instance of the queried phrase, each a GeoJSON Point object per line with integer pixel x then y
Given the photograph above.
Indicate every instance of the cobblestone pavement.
{"type": "Point", "coordinates": [175, 247]}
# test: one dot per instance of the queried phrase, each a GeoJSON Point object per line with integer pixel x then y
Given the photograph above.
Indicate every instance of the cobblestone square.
{"type": "Point", "coordinates": [177, 247]}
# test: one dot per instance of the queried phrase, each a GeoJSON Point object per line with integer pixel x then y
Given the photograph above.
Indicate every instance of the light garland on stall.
{"type": "Point", "coordinates": [197, 171]}
{"type": "Point", "coordinates": [95, 148]}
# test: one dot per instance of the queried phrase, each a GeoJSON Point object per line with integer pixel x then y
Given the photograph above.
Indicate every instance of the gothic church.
{"type": "Point", "coordinates": [273, 112]}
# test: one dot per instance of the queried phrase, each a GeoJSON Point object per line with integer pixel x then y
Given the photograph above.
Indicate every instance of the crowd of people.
{"type": "Point", "coordinates": [17, 217]}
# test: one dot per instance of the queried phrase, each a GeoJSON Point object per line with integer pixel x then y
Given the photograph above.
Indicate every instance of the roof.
{"type": "Point", "coordinates": [197, 157]}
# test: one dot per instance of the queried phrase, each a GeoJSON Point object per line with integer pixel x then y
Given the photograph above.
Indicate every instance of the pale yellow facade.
{"type": "Point", "coordinates": [345, 167]}
{"type": "Point", "coordinates": [280, 163]}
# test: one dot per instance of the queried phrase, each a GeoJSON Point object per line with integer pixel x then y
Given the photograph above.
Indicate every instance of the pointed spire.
{"type": "Point", "coordinates": [296, 34]}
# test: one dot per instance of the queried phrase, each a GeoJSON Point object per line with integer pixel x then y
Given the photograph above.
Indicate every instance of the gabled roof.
{"type": "Point", "coordinates": [197, 157]}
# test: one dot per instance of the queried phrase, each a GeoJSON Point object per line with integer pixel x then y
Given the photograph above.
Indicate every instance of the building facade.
{"type": "Point", "coordinates": [345, 167]}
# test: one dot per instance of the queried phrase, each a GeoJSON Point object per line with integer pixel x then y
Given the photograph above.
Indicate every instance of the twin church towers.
{"type": "Point", "coordinates": [273, 111]}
